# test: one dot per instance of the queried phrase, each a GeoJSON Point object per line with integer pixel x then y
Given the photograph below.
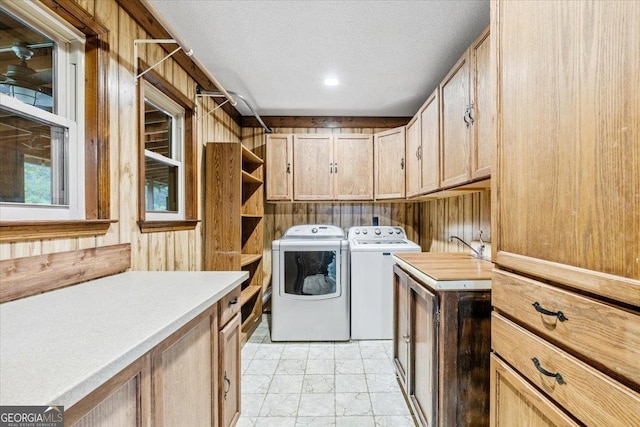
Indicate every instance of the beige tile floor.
{"type": "Point", "coordinates": [349, 384]}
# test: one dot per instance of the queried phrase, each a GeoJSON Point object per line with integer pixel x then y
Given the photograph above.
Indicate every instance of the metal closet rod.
{"type": "Point", "coordinates": [202, 92]}
{"type": "Point", "coordinates": [163, 22]}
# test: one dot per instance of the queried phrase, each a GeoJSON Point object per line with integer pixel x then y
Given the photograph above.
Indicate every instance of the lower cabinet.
{"type": "Point", "coordinates": [441, 352]}
{"type": "Point", "coordinates": [229, 373]}
{"type": "Point", "coordinates": [192, 378]}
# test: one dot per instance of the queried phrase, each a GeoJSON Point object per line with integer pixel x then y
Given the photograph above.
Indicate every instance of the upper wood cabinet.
{"type": "Point", "coordinates": [353, 167]}
{"type": "Point", "coordinates": [430, 143]}
{"type": "Point", "coordinates": [333, 167]}
{"type": "Point", "coordinates": [414, 164]}
{"type": "Point", "coordinates": [481, 107]}
{"type": "Point", "coordinates": [390, 164]}
{"type": "Point", "coordinates": [279, 167]}
{"type": "Point", "coordinates": [465, 117]}
{"type": "Point", "coordinates": [313, 172]}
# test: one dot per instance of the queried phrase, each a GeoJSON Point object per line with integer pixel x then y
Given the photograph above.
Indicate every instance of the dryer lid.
{"type": "Point", "coordinates": [314, 231]}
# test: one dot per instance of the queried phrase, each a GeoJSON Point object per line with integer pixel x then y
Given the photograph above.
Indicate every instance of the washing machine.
{"type": "Point", "coordinates": [310, 279]}
{"type": "Point", "coordinates": [371, 249]}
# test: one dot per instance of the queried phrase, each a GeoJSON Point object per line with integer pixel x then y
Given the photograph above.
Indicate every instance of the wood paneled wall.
{"type": "Point", "coordinates": [428, 223]}
{"type": "Point", "coordinates": [180, 250]}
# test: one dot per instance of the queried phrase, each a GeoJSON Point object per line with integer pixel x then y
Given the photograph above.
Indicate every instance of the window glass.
{"type": "Point", "coordinates": [41, 115]}
{"type": "Point", "coordinates": [163, 145]}
{"type": "Point", "coordinates": [26, 63]}
{"type": "Point", "coordinates": [33, 160]}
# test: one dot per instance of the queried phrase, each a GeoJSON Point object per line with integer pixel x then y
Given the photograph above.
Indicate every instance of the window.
{"type": "Point", "coordinates": [163, 154]}
{"type": "Point", "coordinates": [41, 115]}
{"type": "Point", "coordinates": [167, 167]}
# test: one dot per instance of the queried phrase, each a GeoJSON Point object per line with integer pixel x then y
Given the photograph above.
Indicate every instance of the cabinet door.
{"type": "Point", "coordinates": [183, 376]}
{"type": "Point", "coordinates": [353, 167]}
{"type": "Point", "coordinates": [482, 98]}
{"type": "Point", "coordinates": [123, 401]}
{"type": "Point", "coordinates": [514, 399]}
{"type": "Point", "coordinates": [279, 165]}
{"type": "Point", "coordinates": [389, 164]}
{"type": "Point", "coordinates": [423, 352]}
{"type": "Point", "coordinates": [229, 373]}
{"type": "Point", "coordinates": [414, 164]}
{"type": "Point", "coordinates": [401, 324]}
{"type": "Point", "coordinates": [313, 172]}
{"type": "Point", "coordinates": [568, 179]}
{"type": "Point", "coordinates": [455, 128]}
{"type": "Point", "coordinates": [430, 143]}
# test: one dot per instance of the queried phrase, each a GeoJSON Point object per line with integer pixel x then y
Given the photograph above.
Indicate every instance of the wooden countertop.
{"type": "Point", "coordinates": [447, 271]}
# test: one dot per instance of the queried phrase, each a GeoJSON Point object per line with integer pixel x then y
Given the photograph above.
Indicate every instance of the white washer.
{"type": "Point", "coordinates": [310, 300]}
{"type": "Point", "coordinates": [372, 279]}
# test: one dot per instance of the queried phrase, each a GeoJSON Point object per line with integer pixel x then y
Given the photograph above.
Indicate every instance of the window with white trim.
{"type": "Point", "coordinates": [41, 115]}
{"type": "Point", "coordinates": [163, 155]}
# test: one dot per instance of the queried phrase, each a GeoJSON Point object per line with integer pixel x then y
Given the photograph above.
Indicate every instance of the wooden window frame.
{"type": "Point", "coordinates": [189, 162]}
{"type": "Point", "coordinates": [96, 128]}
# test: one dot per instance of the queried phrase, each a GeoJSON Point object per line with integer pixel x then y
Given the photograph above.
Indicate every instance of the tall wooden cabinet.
{"type": "Point", "coordinates": [234, 223]}
{"type": "Point", "coordinates": [465, 117]}
{"type": "Point", "coordinates": [567, 212]}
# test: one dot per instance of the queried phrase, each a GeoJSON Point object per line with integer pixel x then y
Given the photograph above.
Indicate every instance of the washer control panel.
{"type": "Point", "coordinates": [386, 233]}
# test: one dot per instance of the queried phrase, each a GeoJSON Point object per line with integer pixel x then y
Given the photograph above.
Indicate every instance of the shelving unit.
{"type": "Point", "coordinates": [233, 221]}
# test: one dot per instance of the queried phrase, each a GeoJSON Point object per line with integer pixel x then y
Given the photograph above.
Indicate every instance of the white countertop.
{"type": "Point", "coordinates": [57, 347]}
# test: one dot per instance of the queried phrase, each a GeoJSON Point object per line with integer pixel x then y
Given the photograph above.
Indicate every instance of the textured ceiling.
{"type": "Point", "coordinates": [388, 55]}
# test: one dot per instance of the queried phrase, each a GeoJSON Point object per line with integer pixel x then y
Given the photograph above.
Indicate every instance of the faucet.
{"type": "Point", "coordinates": [478, 253]}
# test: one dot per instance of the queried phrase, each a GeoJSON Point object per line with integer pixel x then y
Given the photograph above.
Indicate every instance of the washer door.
{"type": "Point", "coordinates": [310, 270]}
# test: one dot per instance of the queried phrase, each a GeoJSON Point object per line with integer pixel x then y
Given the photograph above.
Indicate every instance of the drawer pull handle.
{"type": "Point", "coordinates": [233, 301]}
{"type": "Point", "coordinates": [543, 371]}
{"type": "Point", "coordinates": [560, 315]}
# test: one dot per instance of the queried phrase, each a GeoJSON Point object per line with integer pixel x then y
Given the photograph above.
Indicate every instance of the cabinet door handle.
{"type": "Point", "coordinates": [335, 168]}
{"type": "Point", "coordinates": [406, 338]}
{"type": "Point", "coordinates": [402, 163]}
{"type": "Point", "coordinates": [543, 371]}
{"type": "Point", "coordinates": [420, 152]}
{"type": "Point", "coordinates": [466, 113]}
{"type": "Point", "coordinates": [471, 119]}
{"type": "Point", "coordinates": [227, 382]}
{"type": "Point", "coordinates": [233, 301]}
{"type": "Point", "coordinates": [330, 167]}
{"type": "Point", "coordinates": [288, 167]}
{"type": "Point", "coordinates": [560, 315]}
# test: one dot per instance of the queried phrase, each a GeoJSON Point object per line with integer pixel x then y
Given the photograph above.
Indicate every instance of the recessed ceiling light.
{"type": "Point", "coordinates": [331, 81]}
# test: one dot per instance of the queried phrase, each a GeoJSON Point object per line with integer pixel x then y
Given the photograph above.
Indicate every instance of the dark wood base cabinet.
{"type": "Point", "coordinates": [441, 351]}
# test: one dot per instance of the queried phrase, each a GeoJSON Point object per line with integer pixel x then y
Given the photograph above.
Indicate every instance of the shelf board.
{"type": "Point", "coordinates": [249, 156]}
{"type": "Point", "coordinates": [246, 259]}
{"type": "Point", "coordinates": [251, 216]}
{"type": "Point", "coordinates": [248, 293]}
{"type": "Point", "coordinates": [247, 177]}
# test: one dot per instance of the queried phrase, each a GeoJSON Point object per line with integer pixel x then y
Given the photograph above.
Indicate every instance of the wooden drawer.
{"type": "Point", "coordinates": [228, 306]}
{"type": "Point", "coordinates": [589, 395]}
{"type": "Point", "coordinates": [513, 398]}
{"type": "Point", "coordinates": [600, 332]}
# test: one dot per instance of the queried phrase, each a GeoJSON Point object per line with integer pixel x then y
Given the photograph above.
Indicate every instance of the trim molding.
{"type": "Point", "coordinates": [19, 231]}
{"type": "Point", "coordinates": [325, 122]}
{"type": "Point", "coordinates": [158, 226]}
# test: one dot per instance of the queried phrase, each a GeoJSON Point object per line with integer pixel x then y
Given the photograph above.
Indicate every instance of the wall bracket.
{"type": "Point", "coordinates": [136, 42]}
